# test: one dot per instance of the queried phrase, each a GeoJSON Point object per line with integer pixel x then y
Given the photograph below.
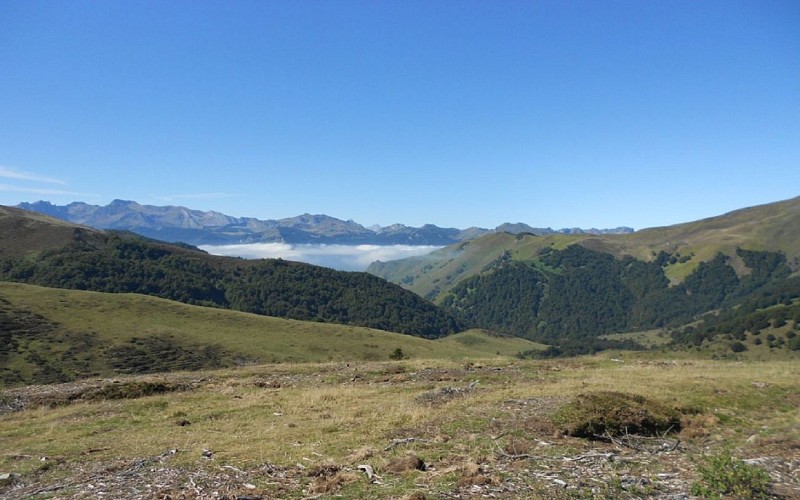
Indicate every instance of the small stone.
{"type": "Point", "coordinates": [8, 478]}
{"type": "Point", "coordinates": [559, 482]}
{"type": "Point", "coordinates": [367, 470]}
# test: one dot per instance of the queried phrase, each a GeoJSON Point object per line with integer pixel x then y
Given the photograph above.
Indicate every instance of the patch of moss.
{"type": "Point", "coordinates": [616, 414]}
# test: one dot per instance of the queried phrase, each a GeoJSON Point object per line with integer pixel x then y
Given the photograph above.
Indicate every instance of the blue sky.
{"type": "Point", "coordinates": [459, 113]}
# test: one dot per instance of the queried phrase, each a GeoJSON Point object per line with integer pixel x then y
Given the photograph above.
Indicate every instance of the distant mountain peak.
{"type": "Point", "coordinates": [180, 224]}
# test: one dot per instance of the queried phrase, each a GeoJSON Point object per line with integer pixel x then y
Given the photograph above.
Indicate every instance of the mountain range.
{"type": "Point", "coordinates": [195, 227]}
{"type": "Point", "coordinates": [732, 276]}
{"type": "Point", "coordinates": [40, 250]}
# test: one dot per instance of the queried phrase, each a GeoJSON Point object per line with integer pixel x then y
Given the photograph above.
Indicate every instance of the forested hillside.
{"type": "Point", "coordinates": [114, 262]}
{"type": "Point", "coordinates": [773, 227]}
{"type": "Point", "coordinates": [575, 295]}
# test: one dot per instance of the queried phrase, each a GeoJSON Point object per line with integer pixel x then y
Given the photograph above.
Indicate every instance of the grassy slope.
{"type": "Point", "coordinates": [774, 226]}
{"type": "Point", "coordinates": [279, 429]}
{"type": "Point", "coordinates": [116, 318]}
{"type": "Point", "coordinates": [21, 231]}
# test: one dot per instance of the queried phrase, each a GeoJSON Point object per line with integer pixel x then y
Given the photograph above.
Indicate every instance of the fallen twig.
{"type": "Point", "coordinates": [607, 456]}
{"type": "Point", "coordinates": [638, 443]}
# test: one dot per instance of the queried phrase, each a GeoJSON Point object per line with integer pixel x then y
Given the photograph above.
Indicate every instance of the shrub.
{"type": "Point", "coordinates": [738, 347]}
{"type": "Point", "coordinates": [615, 413]}
{"type": "Point", "coordinates": [723, 475]}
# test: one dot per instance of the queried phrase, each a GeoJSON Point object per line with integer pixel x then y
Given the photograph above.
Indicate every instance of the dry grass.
{"type": "Point", "coordinates": [332, 418]}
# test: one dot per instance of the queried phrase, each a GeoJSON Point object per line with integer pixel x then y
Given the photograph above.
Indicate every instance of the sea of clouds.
{"type": "Point", "coordinates": [341, 257]}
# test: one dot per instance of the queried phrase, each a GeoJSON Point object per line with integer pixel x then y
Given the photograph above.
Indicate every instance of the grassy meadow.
{"type": "Point", "coordinates": [315, 410]}
{"type": "Point", "coordinates": [419, 428]}
{"type": "Point", "coordinates": [96, 322]}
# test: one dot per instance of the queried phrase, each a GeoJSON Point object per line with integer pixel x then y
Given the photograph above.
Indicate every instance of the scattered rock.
{"type": "Point", "coordinates": [368, 470]}
{"type": "Point", "coordinates": [8, 478]}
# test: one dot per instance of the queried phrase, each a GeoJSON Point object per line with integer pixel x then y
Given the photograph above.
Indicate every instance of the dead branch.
{"type": "Point", "coordinates": [639, 443]}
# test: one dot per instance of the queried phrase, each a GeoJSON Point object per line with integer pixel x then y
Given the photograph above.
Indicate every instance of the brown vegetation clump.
{"type": "Point", "coordinates": [399, 465]}
{"type": "Point", "coordinates": [329, 484]}
{"type": "Point", "coordinates": [361, 454]}
{"type": "Point", "coordinates": [473, 474]}
{"type": "Point", "coordinates": [416, 495]}
{"type": "Point", "coordinates": [698, 426]}
{"type": "Point", "coordinates": [133, 389]}
{"type": "Point", "coordinates": [616, 414]}
{"type": "Point", "coordinates": [516, 446]}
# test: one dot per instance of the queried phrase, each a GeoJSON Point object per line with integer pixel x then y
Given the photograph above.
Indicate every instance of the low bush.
{"type": "Point", "coordinates": [723, 475]}
{"type": "Point", "coordinates": [616, 414]}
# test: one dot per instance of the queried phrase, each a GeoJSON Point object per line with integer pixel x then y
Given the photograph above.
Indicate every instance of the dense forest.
{"type": "Point", "coordinates": [124, 263]}
{"type": "Point", "coordinates": [570, 297]}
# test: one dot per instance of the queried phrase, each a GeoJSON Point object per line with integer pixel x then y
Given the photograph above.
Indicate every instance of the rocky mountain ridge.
{"type": "Point", "coordinates": [196, 227]}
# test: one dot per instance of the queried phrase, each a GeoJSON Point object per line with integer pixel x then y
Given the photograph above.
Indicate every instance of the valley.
{"type": "Point", "coordinates": [660, 363]}
{"type": "Point", "coordinates": [431, 250]}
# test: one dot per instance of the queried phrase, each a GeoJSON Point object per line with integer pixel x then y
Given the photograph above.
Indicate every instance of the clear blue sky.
{"type": "Point", "coordinates": [457, 113]}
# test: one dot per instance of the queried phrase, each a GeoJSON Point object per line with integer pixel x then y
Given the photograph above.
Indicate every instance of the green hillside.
{"type": "Point", "coordinates": [434, 274]}
{"type": "Point", "coordinates": [773, 227]}
{"type": "Point", "coordinates": [28, 233]}
{"type": "Point", "coordinates": [56, 335]}
{"type": "Point", "coordinates": [573, 291]}
{"type": "Point", "coordinates": [57, 255]}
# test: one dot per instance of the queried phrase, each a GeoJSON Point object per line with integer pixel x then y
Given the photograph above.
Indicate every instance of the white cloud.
{"type": "Point", "coordinates": [11, 173]}
{"type": "Point", "coordinates": [342, 257]}
{"type": "Point", "coordinates": [42, 191]}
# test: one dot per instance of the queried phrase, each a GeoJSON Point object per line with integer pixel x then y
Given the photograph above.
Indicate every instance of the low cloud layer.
{"type": "Point", "coordinates": [342, 257]}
